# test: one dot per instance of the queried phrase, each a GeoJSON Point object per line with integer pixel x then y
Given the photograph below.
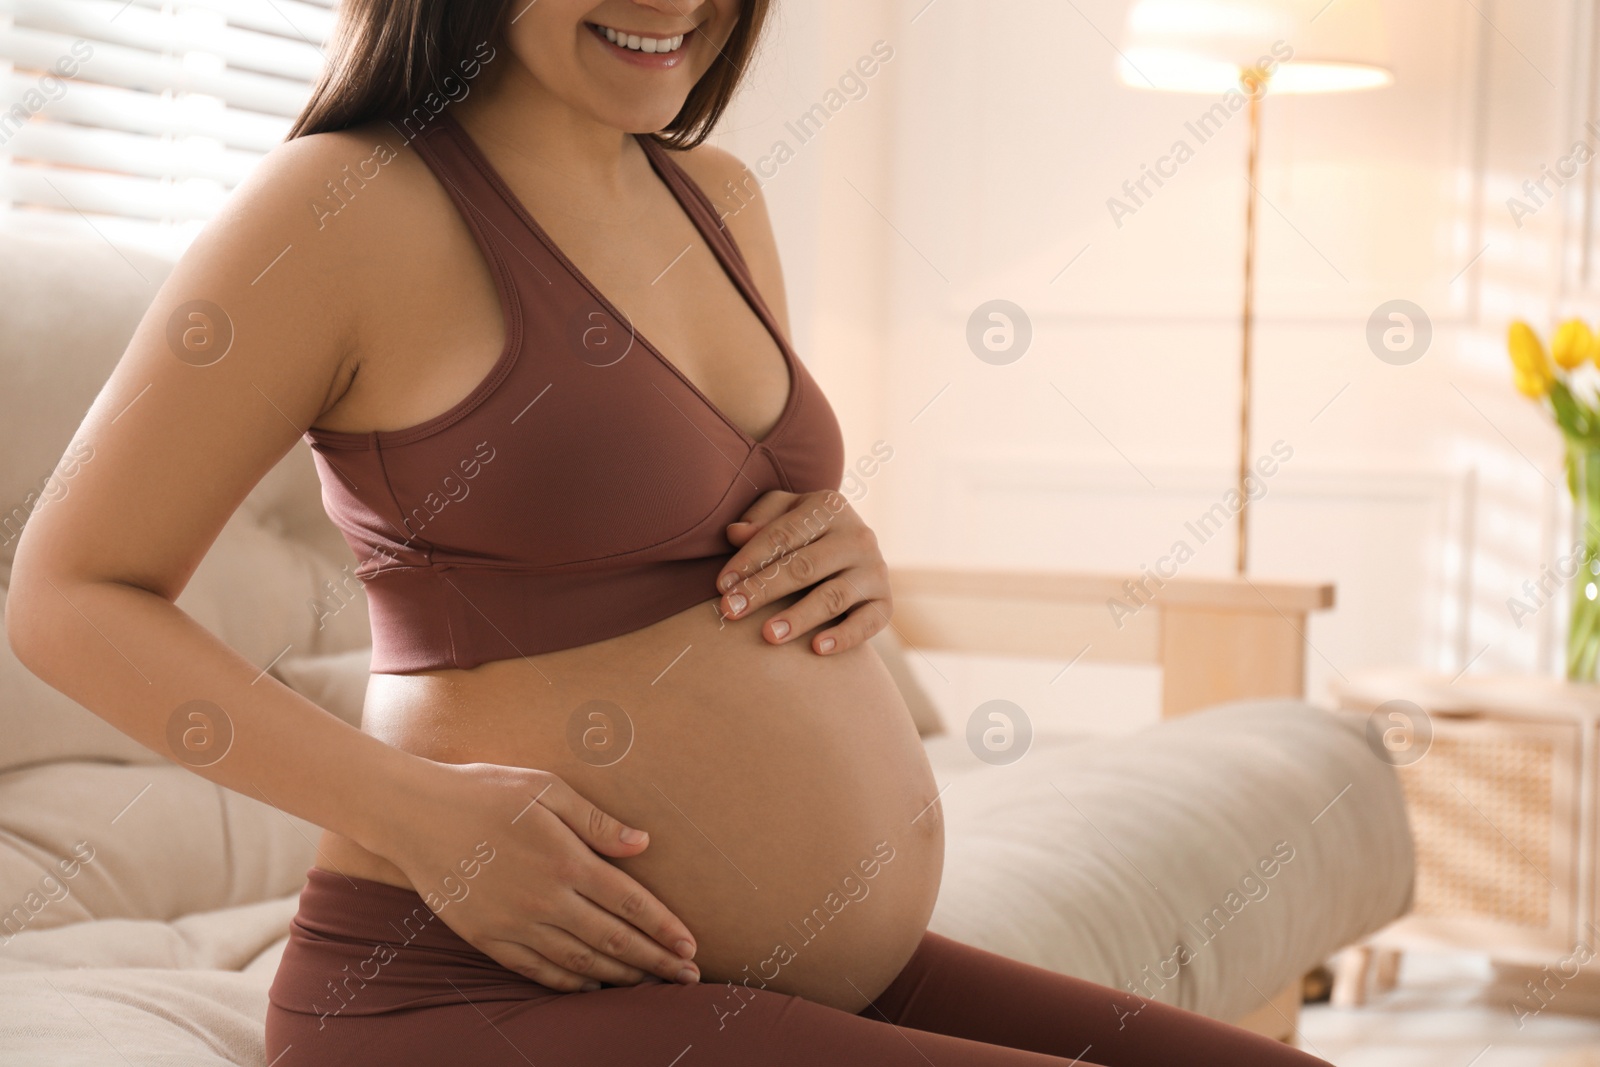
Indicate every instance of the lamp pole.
{"type": "Point", "coordinates": [1254, 82]}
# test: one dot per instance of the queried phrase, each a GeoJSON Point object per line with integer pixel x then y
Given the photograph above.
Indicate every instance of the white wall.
{"type": "Point", "coordinates": [979, 165]}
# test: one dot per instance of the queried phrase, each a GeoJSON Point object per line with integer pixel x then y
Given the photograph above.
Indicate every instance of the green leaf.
{"type": "Point", "coordinates": [1576, 419]}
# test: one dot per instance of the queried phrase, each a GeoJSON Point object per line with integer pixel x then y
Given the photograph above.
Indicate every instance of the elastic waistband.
{"type": "Point", "coordinates": [344, 908]}
{"type": "Point", "coordinates": [359, 947]}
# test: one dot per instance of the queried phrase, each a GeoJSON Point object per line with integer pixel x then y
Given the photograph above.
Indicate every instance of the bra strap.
{"type": "Point", "coordinates": [493, 219]}
{"type": "Point", "coordinates": [711, 221]}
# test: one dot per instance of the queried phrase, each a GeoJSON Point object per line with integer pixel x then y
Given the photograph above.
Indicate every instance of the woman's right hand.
{"type": "Point", "coordinates": [506, 856]}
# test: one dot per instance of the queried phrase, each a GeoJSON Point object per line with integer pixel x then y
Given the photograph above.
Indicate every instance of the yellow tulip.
{"type": "Point", "coordinates": [1533, 373]}
{"type": "Point", "coordinates": [1528, 385]}
{"type": "Point", "coordinates": [1573, 345]}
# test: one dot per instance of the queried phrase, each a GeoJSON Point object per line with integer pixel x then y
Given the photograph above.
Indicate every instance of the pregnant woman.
{"type": "Point", "coordinates": [630, 787]}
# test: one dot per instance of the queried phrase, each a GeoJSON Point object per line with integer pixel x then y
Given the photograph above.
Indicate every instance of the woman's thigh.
{"type": "Point", "coordinates": [655, 1025]}
{"type": "Point", "coordinates": [953, 1005]}
{"type": "Point", "coordinates": [370, 975]}
{"type": "Point", "coordinates": [966, 992]}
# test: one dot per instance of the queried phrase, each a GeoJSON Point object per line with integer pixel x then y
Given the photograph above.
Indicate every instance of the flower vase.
{"type": "Point", "coordinates": [1583, 631]}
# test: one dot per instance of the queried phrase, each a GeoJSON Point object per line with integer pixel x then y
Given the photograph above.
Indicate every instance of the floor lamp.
{"type": "Point", "coordinates": [1233, 49]}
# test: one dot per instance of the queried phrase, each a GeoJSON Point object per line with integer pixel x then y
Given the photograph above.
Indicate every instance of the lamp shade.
{"type": "Point", "coordinates": [1204, 46]}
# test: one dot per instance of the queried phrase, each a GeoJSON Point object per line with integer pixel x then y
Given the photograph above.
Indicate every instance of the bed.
{"type": "Point", "coordinates": [1095, 856]}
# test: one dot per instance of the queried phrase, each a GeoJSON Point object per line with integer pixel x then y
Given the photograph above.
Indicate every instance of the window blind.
{"type": "Point", "coordinates": [137, 117]}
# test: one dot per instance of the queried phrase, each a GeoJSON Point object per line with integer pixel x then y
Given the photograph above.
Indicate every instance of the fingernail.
{"type": "Point", "coordinates": [727, 581]}
{"type": "Point", "coordinates": [736, 603]}
{"type": "Point", "coordinates": [684, 949]}
{"type": "Point", "coordinates": [630, 836]}
{"type": "Point", "coordinates": [589, 987]}
{"type": "Point", "coordinates": [688, 976]}
{"type": "Point", "coordinates": [825, 645]}
{"type": "Point", "coordinates": [780, 629]}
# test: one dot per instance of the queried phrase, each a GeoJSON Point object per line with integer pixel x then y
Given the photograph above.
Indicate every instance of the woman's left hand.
{"type": "Point", "coordinates": [792, 541]}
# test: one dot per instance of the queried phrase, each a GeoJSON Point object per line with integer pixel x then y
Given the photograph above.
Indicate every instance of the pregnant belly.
{"type": "Point", "coordinates": [790, 805]}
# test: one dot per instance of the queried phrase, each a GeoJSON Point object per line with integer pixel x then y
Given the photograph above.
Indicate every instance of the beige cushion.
{"type": "Point", "coordinates": [335, 682]}
{"type": "Point", "coordinates": [1099, 857]}
{"type": "Point", "coordinates": [163, 842]}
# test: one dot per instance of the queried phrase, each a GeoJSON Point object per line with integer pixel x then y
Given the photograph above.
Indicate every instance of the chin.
{"type": "Point", "coordinates": [645, 118]}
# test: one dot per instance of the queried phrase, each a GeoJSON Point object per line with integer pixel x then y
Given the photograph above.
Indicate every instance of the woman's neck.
{"type": "Point", "coordinates": [586, 161]}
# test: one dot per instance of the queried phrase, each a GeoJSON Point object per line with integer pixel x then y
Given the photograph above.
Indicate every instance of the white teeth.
{"type": "Point", "coordinates": [642, 44]}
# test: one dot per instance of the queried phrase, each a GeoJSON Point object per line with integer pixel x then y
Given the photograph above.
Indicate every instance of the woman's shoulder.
{"type": "Point", "coordinates": [736, 194]}
{"type": "Point", "coordinates": [293, 198]}
{"type": "Point", "coordinates": [333, 205]}
{"type": "Point", "coordinates": [318, 237]}
{"type": "Point", "coordinates": [730, 185]}
{"type": "Point", "coordinates": [335, 177]}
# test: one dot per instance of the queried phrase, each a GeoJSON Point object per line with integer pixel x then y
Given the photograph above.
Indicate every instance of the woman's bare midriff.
{"type": "Point", "coordinates": [790, 806]}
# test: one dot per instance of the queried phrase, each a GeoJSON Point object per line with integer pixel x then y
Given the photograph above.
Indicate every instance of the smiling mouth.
{"type": "Point", "coordinates": [634, 42]}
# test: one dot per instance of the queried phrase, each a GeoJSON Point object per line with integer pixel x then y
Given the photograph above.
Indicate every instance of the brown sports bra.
{"type": "Point", "coordinates": [582, 490]}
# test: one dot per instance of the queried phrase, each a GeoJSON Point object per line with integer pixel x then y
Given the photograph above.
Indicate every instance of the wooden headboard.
{"type": "Point", "coordinates": [1215, 639]}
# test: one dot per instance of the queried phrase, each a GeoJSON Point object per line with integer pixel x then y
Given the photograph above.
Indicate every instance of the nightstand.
{"type": "Point", "coordinates": [1499, 775]}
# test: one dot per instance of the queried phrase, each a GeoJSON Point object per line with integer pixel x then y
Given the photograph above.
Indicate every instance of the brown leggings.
{"type": "Point", "coordinates": [370, 975]}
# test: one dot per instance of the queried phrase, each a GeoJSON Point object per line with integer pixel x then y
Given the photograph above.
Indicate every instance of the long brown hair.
{"type": "Point", "coordinates": [390, 57]}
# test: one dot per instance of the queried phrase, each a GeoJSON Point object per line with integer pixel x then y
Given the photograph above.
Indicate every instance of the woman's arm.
{"type": "Point", "coordinates": [178, 442]}
{"type": "Point", "coordinates": [249, 340]}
